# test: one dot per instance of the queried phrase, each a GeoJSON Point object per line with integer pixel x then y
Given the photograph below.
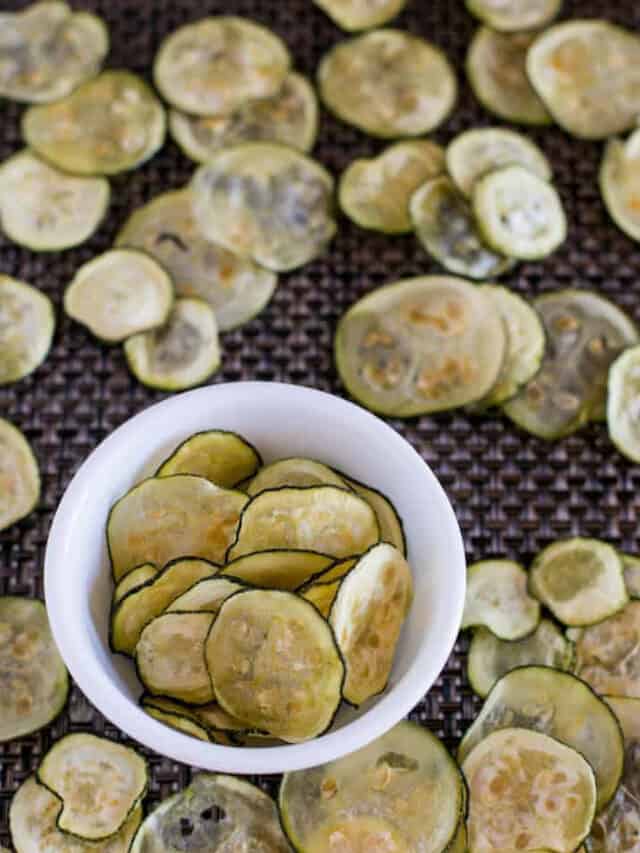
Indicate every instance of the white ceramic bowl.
{"type": "Point", "coordinates": [280, 420]}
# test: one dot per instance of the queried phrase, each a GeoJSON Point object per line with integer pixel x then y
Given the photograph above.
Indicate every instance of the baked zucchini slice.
{"type": "Point", "coordinates": [277, 569]}
{"type": "Point", "coordinates": [354, 15]}
{"type": "Point", "coordinates": [420, 345]}
{"type": "Point", "coordinates": [99, 782]}
{"type": "Point", "coordinates": [585, 333]}
{"type": "Point", "coordinates": [490, 658]}
{"type": "Point", "coordinates": [367, 616]}
{"type": "Point", "coordinates": [581, 581]}
{"type": "Point", "coordinates": [528, 791]}
{"type": "Point", "coordinates": [497, 598]}
{"type": "Point", "coordinates": [514, 15]}
{"type": "Point", "coordinates": [608, 654]}
{"type": "Point", "coordinates": [335, 572]}
{"type": "Point", "coordinates": [205, 595]}
{"type": "Point", "coordinates": [562, 706]}
{"type": "Point", "coordinates": [401, 792]}
{"type": "Point", "coordinates": [120, 293]}
{"type": "Point", "coordinates": [266, 202]}
{"type": "Point", "coordinates": [584, 71]}
{"type": "Point", "coordinates": [34, 684]}
{"type": "Point", "coordinates": [175, 721]}
{"type": "Point", "coordinates": [222, 727]}
{"type": "Point", "coordinates": [324, 519]}
{"type": "Point", "coordinates": [214, 65]}
{"type": "Point", "coordinates": [322, 595]}
{"type": "Point", "coordinates": [134, 580]}
{"type": "Point", "coordinates": [27, 324]}
{"type": "Point", "coordinates": [388, 83]}
{"type": "Point", "coordinates": [225, 458]}
{"type": "Point", "coordinates": [294, 471]}
{"type": "Point", "coordinates": [620, 183]}
{"type": "Point", "coordinates": [391, 527]}
{"type": "Point", "coordinates": [631, 568]}
{"type": "Point", "coordinates": [375, 193]}
{"type": "Point", "coordinates": [197, 518]}
{"type": "Point", "coordinates": [46, 210]}
{"type": "Point", "coordinates": [289, 117]}
{"type": "Point", "coordinates": [235, 287]}
{"type": "Point", "coordinates": [622, 406]}
{"type": "Point", "coordinates": [445, 227]}
{"type": "Point", "coordinates": [19, 476]}
{"type": "Point", "coordinates": [496, 68]}
{"type": "Point", "coordinates": [257, 640]}
{"type": "Point", "coordinates": [213, 813]}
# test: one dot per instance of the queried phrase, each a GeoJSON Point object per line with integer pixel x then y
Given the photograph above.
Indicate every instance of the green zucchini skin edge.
{"type": "Point", "coordinates": [206, 432]}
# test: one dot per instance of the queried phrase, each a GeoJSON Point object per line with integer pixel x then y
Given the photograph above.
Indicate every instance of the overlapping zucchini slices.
{"type": "Point", "coordinates": [608, 653]}
{"type": "Point", "coordinates": [353, 15]}
{"type": "Point", "coordinates": [19, 476]}
{"type": "Point", "coordinates": [27, 323]}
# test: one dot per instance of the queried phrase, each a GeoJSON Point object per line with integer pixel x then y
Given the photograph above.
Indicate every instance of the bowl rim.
{"type": "Point", "coordinates": [107, 698]}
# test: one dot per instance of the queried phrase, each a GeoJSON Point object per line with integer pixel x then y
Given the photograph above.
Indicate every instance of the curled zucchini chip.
{"type": "Point", "coordinates": [225, 458]}
{"type": "Point", "coordinates": [388, 83]}
{"type": "Point", "coordinates": [46, 210]}
{"type": "Point", "coordinates": [221, 726]}
{"type": "Point", "coordinates": [514, 15]}
{"type": "Point", "coordinates": [497, 598]}
{"type": "Point", "coordinates": [529, 792]}
{"type": "Point", "coordinates": [562, 706]}
{"type": "Point", "coordinates": [134, 580]}
{"type": "Point", "coordinates": [235, 287]}
{"type": "Point", "coordinates": [585, 333]}
{"type": "Point", "coordinates": [205, 595]}
{"type": "Point", "coordinates": [446, 228]}
{"type": "Point", "coordinates": [586, 73]}
{"type": "Point", "coordinates": [19, 476]}
{"type": "Point", "coordinates": [375, 193]}
{"type": "Point", "coordinates": [335, 572]}
{"type": "Point", "coordinates": [266, 202]}
{"type": "Point", "coordinates": [353, 15]}
{"type": "Point", "coordinates": [631, 567]}
{"type": "Point", "coordinates": [178, 722]}
{"type": "Point", "coordinates": [289, 117]}
{"type": "Point", "coordinates": [490, 658]}
{"type": "Point", "coordinates": [213, 815]}
{"type": "Point", "coordinates": [324, 519]}
{"type": "Point", "coordinates": [119, 294]}
{"type": "Point", "coordinates": [47, 50]}
{"type": "Point", "coordinates": [608, 654]}
{"type": "Point", "coordinates": [367, 616]}
{"type": "Point", "coordinates": [401, 792]}
{"type": "Point", "coordinates": [277, 569]}
{"type": "Point", "coordinates": [32, 819]}
{"type": "Point", "coordinates": [496, 69]}
{"type": "Point", "coordinates": [622, 403]}
{"type": "Point", "coordinates": [620, 183]}
{"type": "Point", "coordinates": [420, 345]}
{"type": "Point", "coordinates": [391, 527]}
{"type": "Point", "coordinates": [33, 680]}
{"type": "Point", "coordinates": [184, 353]}
{"type": "Point", "coordinates": [294, 471]}
{"type": "Point", "coordinates": [580, 580]}
{"type": "Point", "coordinates": [321, 595]}
{"type": "Point", "coordinates": [27, 323]}
{"type": "Point", "coordinates": [258, 639]}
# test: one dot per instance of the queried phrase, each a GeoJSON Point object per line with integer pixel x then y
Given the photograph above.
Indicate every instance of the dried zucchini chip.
{"type": "Point", "coordinates": [289, 117]}
{"type": "Point", "coordinates": [497, 598]}
{"type": "Point", "coordinates": [622, 403]}
{"type": "Point", "coordinates": [580, 580]}
{"type": "Point", "coordinates": [608, 654]}
{"type": "Point", "coordinates": [214, 65]}
{"type": "Point", "coordinates": [620, 183]}
{"type": "Point", "coordinates": [388, 83]}
{"type": "Point", "coordinates": [220, 726]}
{"type": "Point", "coordinates": [321, 595]}
{"type": "Point", "coordinates": [134, 579]}
{"type": "Point", "coordinates": [391, 527]}
{"type": "Point", "coordinates": [46, 210]}
{"type": "Point", "coordinates": [401, 792]}
{"type": "Point", "coordinates": [266, 202]}
{"type": "Point", "coordinates": [294, 471]}
{"type": "Point", "coordinates": [586, 72]}
{"type": "Point", "coordinates": [99, 782]}
{"type": "Point", "coordinates": [258, 639]}
{"type": "Point", "coordinates": [223, 457]}
{"type": "Point", "coordinates": [514, 15]}
{"type": "Point", "coordinates": [178, 722]}
{"type": "Point", "coordinates": [631, 567]}
{"type": "Point", "coordinates": [528, 792]}
{"type": "Point", "coordinates": [585, 333]}
{"type": "Point", "coordinates": [353, 15]}
{"type": "Point", "coordinates": [206, 595]}
{"type": "Point", "coordinates": [325, 519]}
{"type": "Point", "coordinates": [562, 706]}
{"type": "Point", "coordinates": [19, 476]}
{"type": "Point", "coordinates": [277, 569]}
{"type": "Point", "coordinates": [375, 193]}
{"type": "Point", "coordinates": [27, 323]}
{"type": "Point", "coordinates": [496, 69]}
{"type": "Point", "coordinates": [334, 573]}
{"type": "Point", "coordinates": [420, 345]}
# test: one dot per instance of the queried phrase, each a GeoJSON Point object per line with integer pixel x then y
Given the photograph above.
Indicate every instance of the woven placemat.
{"type": "Point", "coordinates": [512, 493]}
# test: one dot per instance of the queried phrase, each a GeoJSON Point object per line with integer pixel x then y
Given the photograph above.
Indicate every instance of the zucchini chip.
{"type": "Point", "coordinates": [294, 471]}
{"type": "Point", "coordinates": [221, 727]}
{"type": "Point", "coordinates": [290, 117]}
{"type": "Point", "coordinates": [620, 183]}
{"type": "Point", "coordinates": [266, 202]}
{"type": "Point", "coordinates": [205, 596]}
{"type": "Point", "coordinates": [528, 792]}
{"type": "Point", "coordinates": [514, 15]}
{"type": "Point", "coordinates": [100, 784]}
{"type": "Point", "coordinates": [27, 323]}
{"type": "Point", "coordinates": [134, 579]}
{"type": "Point", "coordinates": [562, 706]}
{"type": "Point", "coordinates": [401, 792]}
{"type": "Point", "coordinates": [388, 83]}
{"type": "Point", "coordinates": [258, 639]}
{"type": "Point", "coordinates": [391, 527]}
{"type": "Point", "coordinates": [497, 598]}
{"type": "Point", "coordinates": [214, 814]}
{"type": "Point", "coordinates": [278, 569]}
{"type": "Point", "coordinates": [581, 581]}
{"type": "Point", "coordinates": [353, 15]}
{"type": "Point", "coordinates": [375, 193]}
{"type": "Point", "coordinates": [224, 458]}
{"type": "Point", "coordinates": [622, 403]}
{"type": "Point", "coordinates": [608, 654]}
{"type": "Point", "coordinates": [19, 476]}
{"type": "Point", "coordinates": [215, 65]}
{"type": "Point", "coordinates": [33, 680]}
{"type": "Point", "coordinates": [322, 595]}
{"type": "Point", "coordinates": [335, 572]}
{"type": "Point", "coordinates": [46, 210]}
{"type": "Point", "coordinates": [324, 519]}
{"type": "Point", "coordinates": [118, 294]}
{"type": "Point", "coordinates": [631, 566]}
{"type": "Point", "coordinates": [181, 724]}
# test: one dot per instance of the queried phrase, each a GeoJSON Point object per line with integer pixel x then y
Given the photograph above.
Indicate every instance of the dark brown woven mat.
{"type": "Point", "coordinates": [512, 493]}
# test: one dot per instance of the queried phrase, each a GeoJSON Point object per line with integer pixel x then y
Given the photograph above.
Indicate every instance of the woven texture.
{"type": "Point", "coordinates": [512, 493]}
